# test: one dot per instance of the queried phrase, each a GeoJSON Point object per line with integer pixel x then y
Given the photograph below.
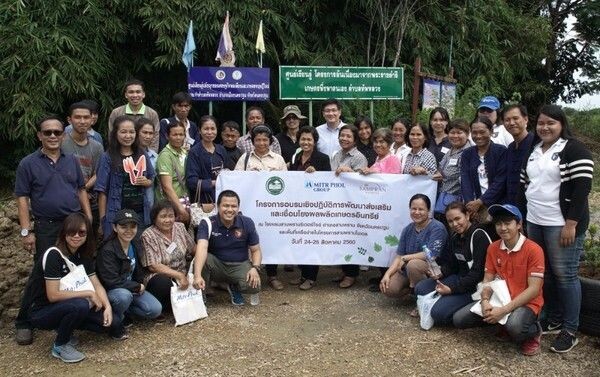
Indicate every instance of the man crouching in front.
{"type": "Point", "coordinates": [222, 251]}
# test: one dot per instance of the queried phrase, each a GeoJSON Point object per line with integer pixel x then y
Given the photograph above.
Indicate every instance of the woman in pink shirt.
{"type": "Point", "coordinates": [386, 161]}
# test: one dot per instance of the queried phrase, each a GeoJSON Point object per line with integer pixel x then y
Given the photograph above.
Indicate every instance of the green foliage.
{"type": "Point", "coordinates": [591, 247]}
{"type": "Point", "coordinates": [55, 52]}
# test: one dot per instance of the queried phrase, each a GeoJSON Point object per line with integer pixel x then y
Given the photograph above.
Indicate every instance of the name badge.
{"type": "Point", "coordinates": [453, 162]}
{"type": "Point", "coordinates": [460, 257]}
{"type": "Point", "coordinates": [171, 248]}
{"type": "Point", "coordinates": [444, 150]}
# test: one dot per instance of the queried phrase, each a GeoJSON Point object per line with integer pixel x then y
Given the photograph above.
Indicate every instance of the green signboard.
{"type": "Point", "coordinates": [311, 83]}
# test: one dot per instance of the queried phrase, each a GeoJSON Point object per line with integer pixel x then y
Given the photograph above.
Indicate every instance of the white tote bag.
{"type": "Point", "coordinates": [424, 305]}
{"type": "Point", "coordinates": [188, 305]}
{"type": "Point", "coordinates": [500, 297]}
{"type": "Point", "coordinates": [76, 280]}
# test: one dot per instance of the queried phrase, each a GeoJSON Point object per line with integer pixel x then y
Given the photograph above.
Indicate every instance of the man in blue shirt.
{"type": "Point", "coordinates": [51, 183]}
{"type": "Point", "coordinates": [222, 251]}
{"type": "Point", "coordinates": [515, 121]}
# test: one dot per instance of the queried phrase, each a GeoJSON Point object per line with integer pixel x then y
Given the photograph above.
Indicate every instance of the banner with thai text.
{"type": "Point", "coordinates": [322, 219]}
{"type": "Point", "coordinates": [229, 84]}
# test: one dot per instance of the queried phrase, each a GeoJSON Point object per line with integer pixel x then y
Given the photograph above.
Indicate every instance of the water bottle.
{"type": "Point", "coordinates": [433, 266]}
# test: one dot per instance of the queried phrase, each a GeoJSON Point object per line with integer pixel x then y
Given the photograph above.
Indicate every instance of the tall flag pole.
{"type": "Point", "coordinates": [188, 48]}
{"type": "Point", "coordinates": [260, 44]}
{"type": "Point", "coordinates": [225, 53]}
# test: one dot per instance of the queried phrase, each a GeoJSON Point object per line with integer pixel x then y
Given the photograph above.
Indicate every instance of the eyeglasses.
{"type": "Point", "coordinates": [80, 233]}
{"type": "Point", "coordinates": [49, 133]}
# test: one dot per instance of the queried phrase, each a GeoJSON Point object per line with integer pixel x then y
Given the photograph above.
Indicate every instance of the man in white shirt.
{"type": "Point", "coordinates": [328, 132]}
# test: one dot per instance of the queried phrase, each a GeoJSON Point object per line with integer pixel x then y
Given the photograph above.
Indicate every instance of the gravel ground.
{"type": "Point", "coordinates": [322, 332]}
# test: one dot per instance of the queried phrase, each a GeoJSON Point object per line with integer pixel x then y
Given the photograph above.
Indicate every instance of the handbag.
{"type": "Point", "coordinates": [76, 280]}
{"type": "Point", "coordinates": [424, 305]}
{"type": "Point", "coordinates": [443, 200]}
{"type": "Point", "coordinates": [188, 305]}
{"type": "Point", "coordinates": [198, 211]}
{"type": "Point", "coordinates": [500, 297]}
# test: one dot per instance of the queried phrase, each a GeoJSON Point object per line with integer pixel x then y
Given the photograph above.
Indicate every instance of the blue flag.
{"type": "Point", "coordinates": [189, 48]}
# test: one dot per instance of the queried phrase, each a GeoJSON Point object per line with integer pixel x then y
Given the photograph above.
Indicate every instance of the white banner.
{"type": "Point", "coordinates": [322, 219]}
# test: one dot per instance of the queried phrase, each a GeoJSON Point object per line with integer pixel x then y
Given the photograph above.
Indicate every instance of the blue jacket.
{"type": "Point", "coordinates": [198, 168]}
{"type": "Point", "coordinates": [110, 182]}
{"type": "Point", "coordinates": [495, 167]}
{"type": "Point", "coordinates": [163, 139]}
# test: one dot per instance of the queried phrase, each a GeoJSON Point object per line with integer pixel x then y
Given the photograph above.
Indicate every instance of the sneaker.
{"type": "Point", "coordinates": [236, 297]}
{"type": "Point", "coordinates": [550, 328]}
{"type": "Point", "coordinates": [254, 299]}
{"type": "Point", "coordinates": [24, 337]}
{"type": "Point", "coordinates": [564, 342]}
{"type": "Point", "coordinates": [67, 353]}
{"type": "Point", "coordinates": [120, 336]}
{"type": "Point", "coordinates": [531, 346]}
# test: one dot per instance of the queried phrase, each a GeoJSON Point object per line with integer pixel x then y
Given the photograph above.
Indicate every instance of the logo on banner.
{"type": "Point", "coordinates": [275, 185]}
{"type": "Point", "coordinates": [220, 75]}
{"type": "Point", "coordinates": [323, 186]}
{"type": "Point", "coordinates": [373, 188]}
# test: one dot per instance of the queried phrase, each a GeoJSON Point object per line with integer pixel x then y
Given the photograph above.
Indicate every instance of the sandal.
{"type": "Point", "coordinates": [347, 282]}
{"type": "Point", "coordinates": [307, 284]}
{"type": "Point", "coordinates": [275, 283]}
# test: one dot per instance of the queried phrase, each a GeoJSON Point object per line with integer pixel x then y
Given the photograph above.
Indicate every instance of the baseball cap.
{"type": "Point", "coordinates": [489, 102]}
{"type": "Point", "coordinates": [292, 109]}
{"type": "Point", "coordinates": [498, 209]}
{"type": "Point", "coordinates": [126, 216]}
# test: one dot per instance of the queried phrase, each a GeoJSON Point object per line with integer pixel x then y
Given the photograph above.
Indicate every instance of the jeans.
{"type": "Point", "coordinates": [522, 323]}
{"type": "Point", "coordinates": [143, 306]}
{"type": "Point", "coordinates": [445, 307]}
{"type": "Point", "coordinates": [562, 288]}
{"type": "Point", "coordinates": [68, 315]}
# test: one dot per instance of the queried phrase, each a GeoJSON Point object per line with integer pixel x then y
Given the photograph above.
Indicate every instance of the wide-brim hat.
{"type": "Point", "coordinates": [292, 109]}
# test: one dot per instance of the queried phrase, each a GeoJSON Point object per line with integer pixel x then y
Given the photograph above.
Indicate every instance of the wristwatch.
{"type": "Point", "coordinates": [25, 232]}
{"type": "Point", "coordinates": [257, 267]}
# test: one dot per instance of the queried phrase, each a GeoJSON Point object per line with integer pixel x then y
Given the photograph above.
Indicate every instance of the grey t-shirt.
{"type": "Point", "coordinates": [88, 156]}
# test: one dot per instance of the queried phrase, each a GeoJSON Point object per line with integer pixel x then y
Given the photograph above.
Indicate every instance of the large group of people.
{"type": "Point", "coordinates": [511, 204]}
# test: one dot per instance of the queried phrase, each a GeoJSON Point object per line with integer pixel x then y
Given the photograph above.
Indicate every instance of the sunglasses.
{"type": "Point", "coordinates": [80, 233]}
{"type": "Point", "coordinates": [49, 133]}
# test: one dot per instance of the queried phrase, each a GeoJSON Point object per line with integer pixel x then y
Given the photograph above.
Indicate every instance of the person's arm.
{"type": "Point", "coordinates": [101, 293]}
{"type": "Point", "coordinates": [166, 182]}
{"type": "Point", "coordinates": [84, 201]}
{"type": "Point", "coordinates": [152, 262]}
{"type": "Point", "coordinates": [102, 183]}
{"type": "Point", "coordinates": [497, 185]}
{"type": "Point", "coordinates": [54, 294]}
{"type": "Point", "coordinates": [24, 221]}
{"type": "Point", "coordinates": [468, 283]}
{"type": "Point", "coordinates": [579, 157]}
{"type": "Point", "coordinates": [396, 266]}
{"type": "Point", "coordinates": [466, 185]}
{"type": "Point", "coordinates": [199, 261]}
{"type": "Point", "coordinates": [534, 285]}
{"type": "Point", "coordinates": [156, 123]}
{"type": "Point", "coordinates": [253, 277]}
